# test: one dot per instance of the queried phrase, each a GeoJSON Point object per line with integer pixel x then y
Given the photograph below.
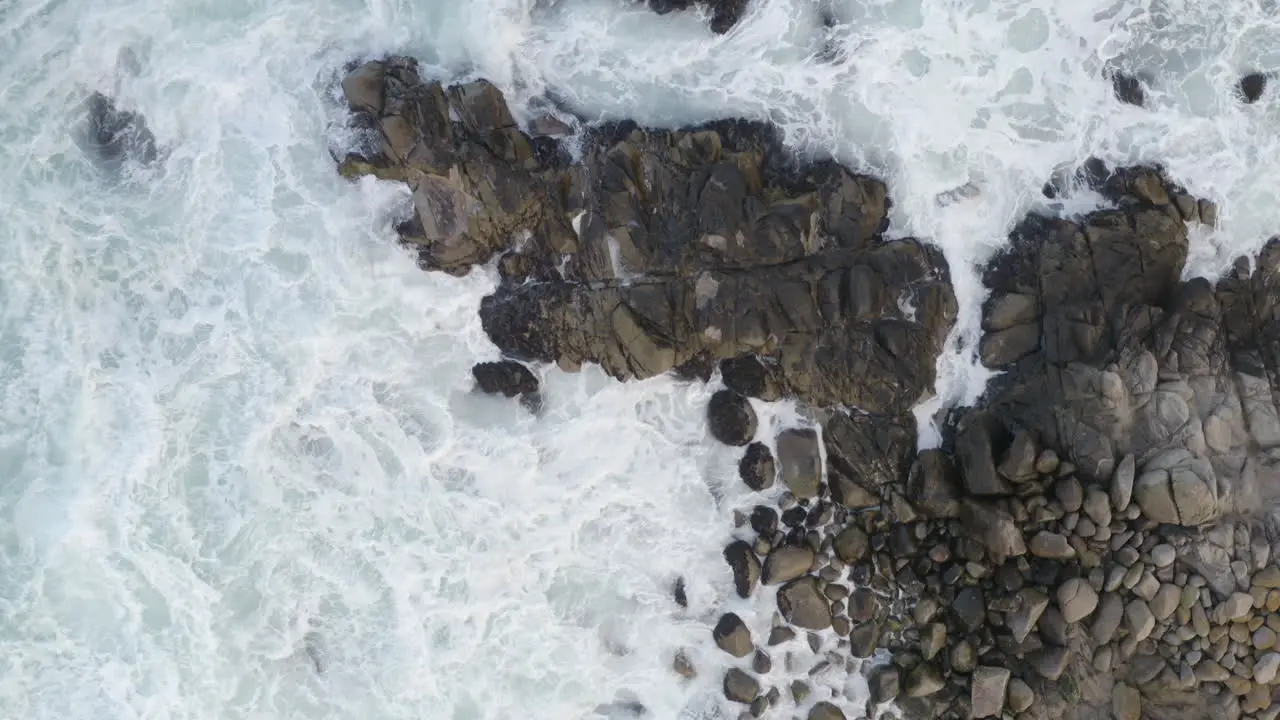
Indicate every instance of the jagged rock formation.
{"type": "Point", "coordinates": [661, 249]}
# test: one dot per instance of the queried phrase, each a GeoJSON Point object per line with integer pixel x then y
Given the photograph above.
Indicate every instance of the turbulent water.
{"type": "Point", "coordinates": [242, 473]}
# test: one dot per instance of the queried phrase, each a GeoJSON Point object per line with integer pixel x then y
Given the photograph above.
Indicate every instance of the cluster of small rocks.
{"type": "Point", "coordinates": [1061, 591]}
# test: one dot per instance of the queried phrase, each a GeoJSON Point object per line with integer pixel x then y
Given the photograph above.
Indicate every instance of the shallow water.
{"type": "Point", "coordinates": [237, 436]}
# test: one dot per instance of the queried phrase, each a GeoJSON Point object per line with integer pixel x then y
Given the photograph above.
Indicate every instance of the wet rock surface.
{"type": "Point", "coordinates": [115, 136]}
{"type": "Point", "coordinates": [724, 13]}
{"type": "Point", "coordinates": [1088, 541]}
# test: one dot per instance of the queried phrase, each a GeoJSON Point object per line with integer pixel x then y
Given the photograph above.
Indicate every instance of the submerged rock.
{"type": "Point", "coordinates": [116, 136]}
{"type": "Point", "coordinates": [1251, 87]}
{"type": "Point", "coordinates": [1128, 89]}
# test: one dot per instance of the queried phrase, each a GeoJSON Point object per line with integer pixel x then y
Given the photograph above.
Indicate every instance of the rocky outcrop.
{"type": "Point", "coordinates": [1087, 542]}
{"type": "Point", "coordinates": [661, 248]}
{"type": "Point", "coordinates": [1130, 360]}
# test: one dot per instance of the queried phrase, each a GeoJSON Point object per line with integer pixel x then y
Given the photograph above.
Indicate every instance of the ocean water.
{"type": "Point", "coordinates": [242, 471]}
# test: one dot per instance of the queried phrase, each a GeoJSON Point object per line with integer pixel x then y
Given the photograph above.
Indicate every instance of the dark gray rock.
{"type": "Point", "coordinates": [746, 567]}
{"type": "Point", "coordinates": [884, 684]}
{"type": "Point", "coordinates": [1128, 89]}
{"type": "Point", "coordinates": [970, 609]}
{"type": "Point", "coordinates": [1251, 87]}
{"type": "Point", "coordinates": [862, 604]}
{"type": "Point", "coordinates": [863, 639]}
{"type": "Point", "coordinates": [976, 453]}
{"type": "Point", "coordinates": [731, 419]}
{"type": "Point", "coordinates": [757, 468]}
{"type": "Point", "coordinates": [1031, 604]}
{"type": "Point", "coordinates": [724, 13]}
{"type": "Point", "coordinates": [506, 377]}
{"type": "Point", "coordinates": [933, 485]}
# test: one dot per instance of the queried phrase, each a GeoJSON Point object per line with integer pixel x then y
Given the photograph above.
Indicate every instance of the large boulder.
{"type": "Point", "coordinates": [1179, 488]}
{"type": "Point", "coordinates": [799, 464]}
{"type": "Point", "coordinates": [659, 249]}
{"type": "Point", "coordinates": [802, 604]}
{"type": "Point", "coordinates": [730, 417]}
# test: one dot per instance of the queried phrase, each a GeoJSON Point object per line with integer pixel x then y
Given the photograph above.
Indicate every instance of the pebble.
{"type": "Point", "coordinates": [1127, 556]}
{"type": "Point", "coordinates": [1052, 546]}
{"type": "Point", "coordinates": [1132, 576]}
{"type": "Point", "coordinates": [1070, 493]}
{"type": "Point", "coordinates": [1085, 528]}
{"type": "Point", "coordinates": [1236, 607]}
{"type": "Point", "coordinates": [1102, 659]}
{"type": "Point", "coordinates": [1264, 671]}
{"type": "Point", "coordinates": [1097, 506]}
{"type": "Point", "coordinates": [1139, 619]}
{"type": "Point", "coordinates": [1147, 587]}
{"type": "Point", "coordinates": [1115, 576]}
{"type": "Point", "coordinates": [1165, 601]}
{"type": "Point", "coordinates": [1021, 696]}
{"type": "Point", "coordinates": [1210, 671]}
{"type": "Point", "coordinates": [1076, 600]}
{"type": "Point", "coordinates": [1273, 601]}
{"type": "Point", "coordinates": [1163, 555]}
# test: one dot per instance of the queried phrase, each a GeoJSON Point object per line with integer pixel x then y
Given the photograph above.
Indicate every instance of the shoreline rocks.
{"type": "Point", "coordinates": [1086, 542]}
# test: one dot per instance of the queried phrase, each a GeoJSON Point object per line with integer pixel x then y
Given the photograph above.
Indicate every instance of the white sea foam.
{"type": "Point", "coordinates": [236, 421]}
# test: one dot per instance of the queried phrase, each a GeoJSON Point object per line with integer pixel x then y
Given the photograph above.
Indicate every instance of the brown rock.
{"type": "Point", "coordinates": [740, 687]}
{"type": "Point", "coordinates": [786, 563]}
{"type": "Point", "coordinates": [732, 636]}
{"type": "Point", "coordinates": [802, 604]}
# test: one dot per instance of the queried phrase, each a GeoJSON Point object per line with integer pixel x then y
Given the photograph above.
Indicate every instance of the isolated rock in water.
{"type": "Point", "coordinates": [731, 635]}
{"type": "Point", "coordinates": [505, 377]}
{"type": "Point", "coordinates": [117, 136]}
{"type": "Point", "coordinates": [731, 419]}
{"type": "Point", "coordinates": [740, 687]}
{"type": "Point", "coordinates": [724, 13]}
{"type": "Point", "coordinates": [745, 565]}
{"type": "Point", "coordinates": [757, 468]}
{"type": "Point", "coordinates": [1252, 86]}
{"type": "Point", "coordinates": [1128, 89]}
